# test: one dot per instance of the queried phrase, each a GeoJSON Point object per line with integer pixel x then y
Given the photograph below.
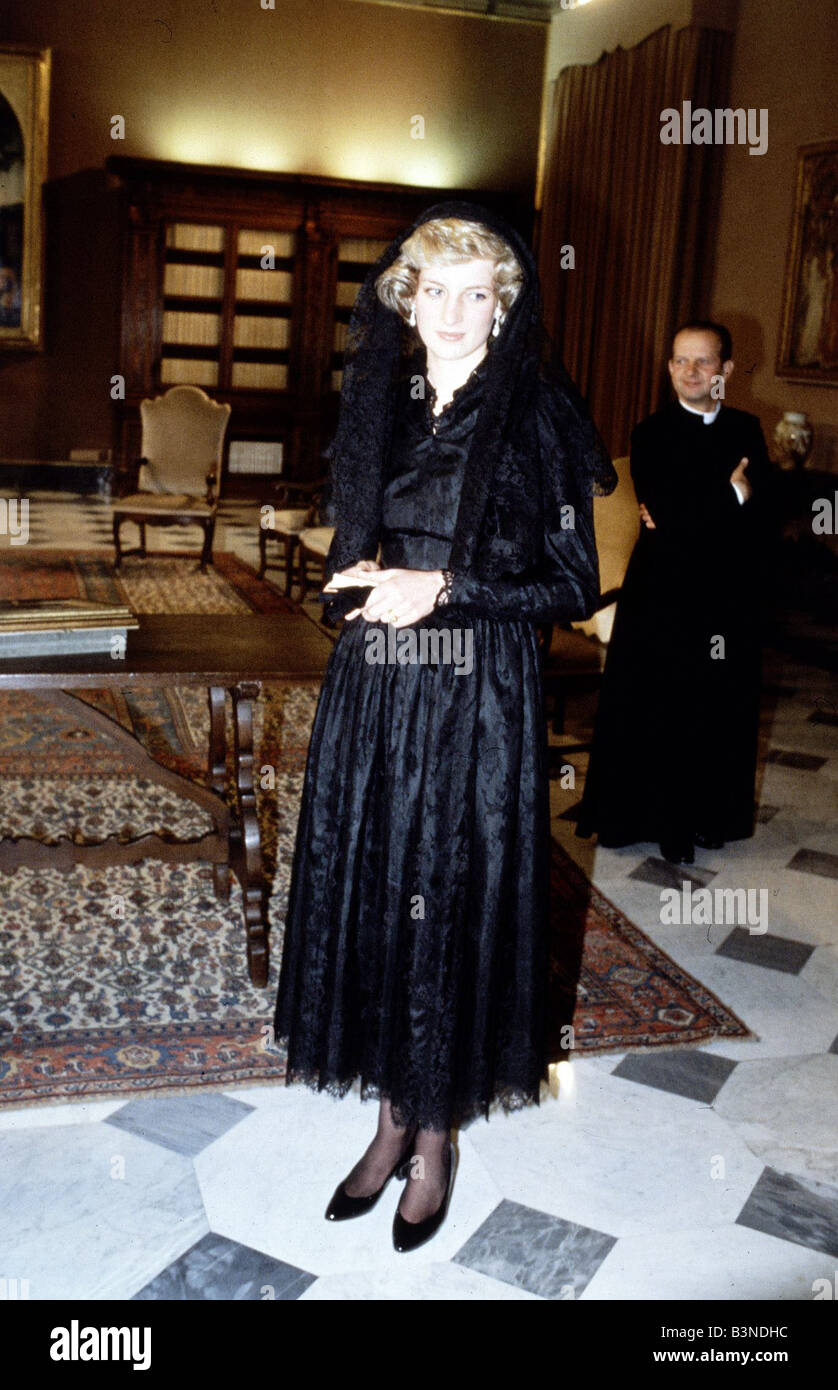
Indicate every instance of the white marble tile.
{"type": "Point", "coordinates": [821, 972]}
{"type": "Point", "coordinates": [608, 1161]}
{"type": "Point", "coordinates": [789, 1016]}
{"type": "Point", "coordinates": [690, 939]}
{"type": "Point", "coordinates": [829, 771]}
{"type": "Point", "coordinates": [728, 1263]}
{"type": "Point", "coordinates": [689, 947]}
{"type": "Point", "coordinates": [793, 787]}
{"type": "Point", "coordinates": [76, 1229]}
{"type": "Point", "coordinates": [809, 899]}
{"type": "Point", "coordinates": [785, 919]}
{"type": "Point", "coordinates": [268, 1181]}
{"type": "Point", "coordinates": [267, 1096]}
{"type": "Point", "coordinates": [813, 826]}
{"type": "Point", "coordinates": [787, 1113]}
{"type": "Point", "coordinates": [599, 1061]}
{"type": "Point", "coordinates": [636, 899]}
{"type": "Point", "coordinates": [779, 911]}
{"type": "Point", "coordinates": [773, 843]}
{"type": "Point", "coordinates": [791, 729]}
{"type": "Point", "coordinates": [416, 1281]}
{"type": "Point", "coordinates": [78, 1112]}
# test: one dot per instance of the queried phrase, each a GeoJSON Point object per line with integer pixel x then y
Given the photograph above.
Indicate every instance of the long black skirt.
{"type": "Point", "coordinates": [415, 943]}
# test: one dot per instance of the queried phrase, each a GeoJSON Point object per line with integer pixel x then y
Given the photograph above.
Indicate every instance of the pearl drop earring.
{"type": "Point", "coordinates": [497, 323]}
{"type": "Point", "coordinates": [412, 319]}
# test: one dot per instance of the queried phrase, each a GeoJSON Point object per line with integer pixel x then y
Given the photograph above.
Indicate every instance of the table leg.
{"type": "Point", "coordinates": [290, 547]}
{"type": "Point", "coordinates": [115, 849]}
{"type": "Point", "coordinates": [218, 775]}
{"type": "Point", "coordinates": [245, 839]}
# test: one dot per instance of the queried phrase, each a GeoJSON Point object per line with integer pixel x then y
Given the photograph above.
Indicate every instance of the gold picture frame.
{"type": "Point", "coordinates": [808, 346]}
{"type": "Point", "coordinates": [24, 113]}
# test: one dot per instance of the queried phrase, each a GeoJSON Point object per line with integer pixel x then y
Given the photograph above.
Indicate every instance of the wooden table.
{"type": "Point", "coordinates": [226, 653]}
{"type": "Point", "coordinates": [75, 475]}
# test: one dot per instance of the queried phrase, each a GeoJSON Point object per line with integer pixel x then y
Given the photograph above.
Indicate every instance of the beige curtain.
{"type": "Point", "coordinates": [640, 215]}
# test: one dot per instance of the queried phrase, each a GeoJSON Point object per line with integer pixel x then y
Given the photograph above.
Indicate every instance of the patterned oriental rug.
{"type": "Point", "coordinates": [135, 981]}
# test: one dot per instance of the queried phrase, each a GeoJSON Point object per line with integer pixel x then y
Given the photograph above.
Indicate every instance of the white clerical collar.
{"type": "Point", "coordinates": [708, 416]}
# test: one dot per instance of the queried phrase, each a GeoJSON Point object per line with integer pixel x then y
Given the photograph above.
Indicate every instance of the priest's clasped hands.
{"type": "Point", "coordinates": [398, 597]}
{"type": "Point", "coordinates": [737, 476]}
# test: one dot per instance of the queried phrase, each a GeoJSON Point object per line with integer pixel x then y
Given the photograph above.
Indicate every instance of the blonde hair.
{"type": "Point", "coordinates": [447, 241]}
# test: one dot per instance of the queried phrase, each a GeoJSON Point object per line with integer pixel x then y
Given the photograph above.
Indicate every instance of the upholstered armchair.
{"type": "Point", "coordinates": [295, 508]}
{"type": "Point", "coordinates": [574, 654]}
{"type": "Point", "coordinates": [175, 482]}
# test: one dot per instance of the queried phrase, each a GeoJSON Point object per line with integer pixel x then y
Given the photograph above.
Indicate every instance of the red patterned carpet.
{"type": "Point", "coordinates": [133, 980]}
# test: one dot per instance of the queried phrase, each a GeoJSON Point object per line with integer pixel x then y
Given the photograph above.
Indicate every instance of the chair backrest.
{"type": "Point", "coordinates": [616, 526]}
{"type": "Point", "coordinates": [183, 440]}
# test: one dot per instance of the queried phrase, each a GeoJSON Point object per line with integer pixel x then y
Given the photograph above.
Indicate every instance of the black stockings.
{"type": "Point", "coordinates": [427, 1174]}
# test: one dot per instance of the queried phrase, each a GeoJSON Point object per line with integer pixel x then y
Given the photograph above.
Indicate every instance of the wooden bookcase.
{"type": "Point", "coordinates": [243, 283]}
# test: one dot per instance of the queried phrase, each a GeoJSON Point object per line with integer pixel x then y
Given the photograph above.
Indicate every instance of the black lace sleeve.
{"type": "Point", "coordinates": [565, 588]}
{"type": "Point", "coordinates": [444, 595]}
{"type": "Point", "coordinates": [564, 585]}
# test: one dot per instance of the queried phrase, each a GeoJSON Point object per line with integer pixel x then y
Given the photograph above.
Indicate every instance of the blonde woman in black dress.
{"type": "Point", "coordinates": [415, 947]}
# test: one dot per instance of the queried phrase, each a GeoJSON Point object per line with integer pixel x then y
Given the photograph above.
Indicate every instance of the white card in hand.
{"type": "Point", "coordinates": [348, 581]}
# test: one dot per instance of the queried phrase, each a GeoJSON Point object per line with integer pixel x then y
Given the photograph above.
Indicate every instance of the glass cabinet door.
{"type": "Point", "coordinates": [264, 291]}
{"type": "Point", "coordinates": [355, 256]}
{"type": "Point", "coordinates": [193, 304]}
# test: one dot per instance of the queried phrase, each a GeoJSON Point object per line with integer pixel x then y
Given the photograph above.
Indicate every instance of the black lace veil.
{"type": "Point", "coordinates": [519, 354]}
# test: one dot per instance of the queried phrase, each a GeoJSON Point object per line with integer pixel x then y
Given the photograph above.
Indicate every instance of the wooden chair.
{"type": "Point", "coordinates": [574, 653]}
{"type": "Point", "coordinates": [175, 482]}
{"type": "Point", "coordinates": [314, 547]}
{"type": "Point", "coordinates": [295, 508]}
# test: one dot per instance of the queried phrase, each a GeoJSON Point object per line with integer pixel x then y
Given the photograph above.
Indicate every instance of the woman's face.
{"type": "Point", "coordinates": [455, 305]}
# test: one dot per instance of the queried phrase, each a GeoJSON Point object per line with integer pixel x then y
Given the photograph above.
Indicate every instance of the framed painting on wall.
{"type": "Point", "coordinates": [808, 348]}
{"type": "Point", "coordinates": [24, 99]}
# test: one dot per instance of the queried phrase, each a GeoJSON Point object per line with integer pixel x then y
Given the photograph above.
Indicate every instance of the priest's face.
{"type": "Point", "coordinates": [696, 366]}
{"type": "Point", "coordinates": [455, 306]}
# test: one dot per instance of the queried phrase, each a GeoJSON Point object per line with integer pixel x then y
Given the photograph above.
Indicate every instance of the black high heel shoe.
{"type": "Point", "coordinates": [408, 1235]}
{"type": "Point", "coordinates": [342, 1207]}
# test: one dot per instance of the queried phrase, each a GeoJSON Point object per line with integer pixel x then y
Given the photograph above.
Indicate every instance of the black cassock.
{"type": "Point", "coordinates": [675, 739]}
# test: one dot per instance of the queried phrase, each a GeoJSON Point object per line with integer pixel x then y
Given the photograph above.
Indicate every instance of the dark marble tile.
{"type": "Point", "coordinates": [805, 762]}
{"type": "Point", "coordinates": [813, 861]}
{"type": "Point", "coordinates": [795, 1209]}
{"type": "Point", "coordinates": [666, 875]}
{"type": "Point", "coordinates": [543, 1254]}
{"type": "Point", "coordinates": [771, 952]}
{"type": "Point", "coordinates": [185, 1124]}
{"type": "Point", "coordinates": [683, 1072]}
{"type": "Point", "coordinates": [766, 813]}
{"type": "Point", "coordinates": [221, 1269]}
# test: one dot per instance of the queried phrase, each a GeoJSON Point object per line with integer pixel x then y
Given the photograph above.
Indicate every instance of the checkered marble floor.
{"type": "Point", "coordinates": [695, 1174]}
{"type": "Point", "coordinates": [53, 516]}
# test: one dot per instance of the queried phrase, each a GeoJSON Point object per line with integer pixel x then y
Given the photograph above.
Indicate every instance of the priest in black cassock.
{"type": "Point", "coordinates": [674, 751]}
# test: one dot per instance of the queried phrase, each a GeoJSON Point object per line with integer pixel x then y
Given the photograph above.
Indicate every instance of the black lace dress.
{"type": "Point", "coordinates": [414, 953]}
